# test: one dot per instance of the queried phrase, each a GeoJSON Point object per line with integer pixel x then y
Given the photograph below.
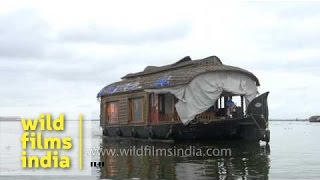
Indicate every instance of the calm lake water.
{"type": "Point", "coordinates": [293, 153]}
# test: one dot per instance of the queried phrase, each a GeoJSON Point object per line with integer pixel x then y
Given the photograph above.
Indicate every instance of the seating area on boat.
{"type": "Point", "coordinates": [224, 108]}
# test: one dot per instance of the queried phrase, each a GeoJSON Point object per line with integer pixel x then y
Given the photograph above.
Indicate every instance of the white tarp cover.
{"type": "Point", "coordinates": [204, 90]}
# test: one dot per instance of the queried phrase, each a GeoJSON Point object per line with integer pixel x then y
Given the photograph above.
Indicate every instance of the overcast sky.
{"type": "Point", "coordinates": [55, 56]}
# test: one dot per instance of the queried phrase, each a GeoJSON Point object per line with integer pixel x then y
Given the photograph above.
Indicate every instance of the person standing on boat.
{"type": "Point", "coordinates": [230, 107]}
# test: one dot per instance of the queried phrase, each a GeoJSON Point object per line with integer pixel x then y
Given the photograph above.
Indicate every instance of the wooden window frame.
{"type": "Point", "coordinates": [130, 110]}
{"type": "Point", "coordinates": [108, 119]}
{"type": "Point", "coordinates": [161, 104]}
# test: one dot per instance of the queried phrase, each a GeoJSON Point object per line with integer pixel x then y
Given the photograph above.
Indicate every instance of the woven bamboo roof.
{"type": "Point", "coordinates": [176, 74]}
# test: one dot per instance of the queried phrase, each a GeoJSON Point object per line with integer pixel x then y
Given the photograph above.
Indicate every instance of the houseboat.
{"type": "Point", "coordinates": [188, 100]}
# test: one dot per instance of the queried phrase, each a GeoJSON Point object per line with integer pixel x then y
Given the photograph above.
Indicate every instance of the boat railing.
{"type": "Point", "coordinates": [169, 117]}
{"type": "Point", "coordinates": [206, 116]}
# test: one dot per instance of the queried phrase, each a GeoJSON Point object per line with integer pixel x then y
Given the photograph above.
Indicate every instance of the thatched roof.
{"type": "Point", "coordinates": [178, 73]}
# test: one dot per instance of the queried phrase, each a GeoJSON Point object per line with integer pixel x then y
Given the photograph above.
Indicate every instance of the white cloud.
{"type": "Point", "coordinates": [291, 94]}
{"type": "Point", "coordinates": [57, 55]}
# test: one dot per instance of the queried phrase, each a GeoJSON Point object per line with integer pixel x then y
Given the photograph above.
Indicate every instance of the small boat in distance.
{"type": "Point", "coordinates": [314, 119]}
{"type": "Point", "coordinates": [9, 118]}
{"type": "Point", "coordinates": [186, 100]}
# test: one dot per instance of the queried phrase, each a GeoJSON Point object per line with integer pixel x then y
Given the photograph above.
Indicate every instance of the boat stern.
{"type": "Point", "coordinates": [258, 112]}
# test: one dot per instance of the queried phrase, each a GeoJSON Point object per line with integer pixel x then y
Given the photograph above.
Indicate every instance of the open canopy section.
{"type": "Point", "coordinates": [205, 89]}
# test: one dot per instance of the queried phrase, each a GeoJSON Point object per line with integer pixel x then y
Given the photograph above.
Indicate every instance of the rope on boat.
{"type": "Point", "coordinates": [266, 135]}
{"type": "Point", "coordinates": [254, 119]}
{"type": "Point", "coordinates": [265, 121]}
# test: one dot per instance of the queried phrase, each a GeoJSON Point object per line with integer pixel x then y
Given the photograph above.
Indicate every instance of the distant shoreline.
{"type": "Point", "coordinates": [288, 120]}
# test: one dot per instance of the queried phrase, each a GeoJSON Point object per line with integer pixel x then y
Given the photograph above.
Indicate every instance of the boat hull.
{"type": "Point", "coordinates": [239, 129]}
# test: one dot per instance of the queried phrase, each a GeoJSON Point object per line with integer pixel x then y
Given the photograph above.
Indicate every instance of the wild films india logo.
{"type": "Point", "coordinates": [53, 143]}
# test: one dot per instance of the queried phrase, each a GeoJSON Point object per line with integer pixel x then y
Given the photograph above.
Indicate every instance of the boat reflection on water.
{"type": "Point", "coordinates": [247, 160]}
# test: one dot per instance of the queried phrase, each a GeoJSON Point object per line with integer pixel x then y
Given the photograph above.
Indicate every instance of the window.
{"type": "Point", "coordinates": [136, 109]}
{"type": "Point", "coordinates": [153, 108]}
{"type": "Point", "coordinates": [112, 112]}
{"type": "Point", "coordinates": [166, 107]}
{"type": "Point", "coordinates": [166, 103]}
